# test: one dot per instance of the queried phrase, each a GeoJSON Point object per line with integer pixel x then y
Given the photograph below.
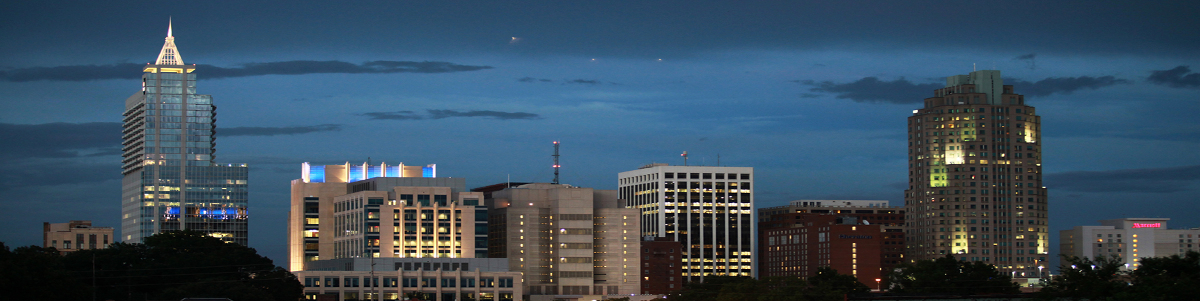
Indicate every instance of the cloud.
{"type": "Point", "coordinates": [582, 81]}
{"type": "Point", "coordinates": [1178, 77]}
{"type": "Point", "coordinates": [122, 70]}
{"type": "Point", "coordinates": [58, 140]}
{"type": "Point", "coordinates": [902, 91]}
{"type": "Point", "coordinates": [398, 115]}
{"type": "Point", "coordinates": [439, 114]}
{"type": "Point", "coordinates": [442, 114]}
{"type": "Point", "coordinates": [1030, 60]}
{"type": "Point", "coordinates": [1063, 85]}
{"type": "Point", "coordinates": [565, 81]}
{"type": "Point", "coordinates": [272, 131]}
{"type": "Point", "coordinates": [1153, 180]}
{"type": "Point", "coordinates": [871, 89]}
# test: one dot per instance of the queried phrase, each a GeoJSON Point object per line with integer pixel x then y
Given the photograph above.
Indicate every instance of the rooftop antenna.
{"type": "Point", "coordinates": [718, 159]}
{"type": "Point", "coordinates": [555, 163]}
{"type": "Point", "coordinates": [684, 158]}
{"type": "Point", "coordinates": [973, 67]}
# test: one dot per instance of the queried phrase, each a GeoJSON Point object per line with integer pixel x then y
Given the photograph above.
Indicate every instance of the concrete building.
{"type": "Point", "coordinates": [662, 272]}
{"type": "Point", "coordinates": [1130, 239]}
{"type": "Point", "coordinates": [76, 235]}
{"type": "Point", "coordinates": [975, 177]}
{"type": "Point", "coordinates": [709, 209]}
{"type": "Point", "coordinates": [384, 211]}
{"type": "Point", "coordinates": [860, 238]}
{"type": "Point", "coordinates": [439, 279]}
{"type": "Point", "coordinates": [171, 178]}
{"type": "Point", "coordinates": [568, 242]}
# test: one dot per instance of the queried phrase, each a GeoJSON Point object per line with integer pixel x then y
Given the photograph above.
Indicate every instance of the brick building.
{"type": "Point", "coordinates": [661, 270]}
{"type": "Point", "coordinates": [860, 238]}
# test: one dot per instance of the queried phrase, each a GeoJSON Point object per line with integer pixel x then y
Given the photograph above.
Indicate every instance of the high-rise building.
{"type": "Point", "coordinates": [1130, 239]}
{"type": "Point", "coordinates": [567, 240]}
{"type": "Point", "coordinates": [709, 209]}
{"type": "Point", "coordinates": [171, 181]}
{"type": "Point", "coordinates": [975, 176]}
{"type": "Point", "coordinates": [75, 236]}
{"type": "Point", "coordinates": [864, 239]}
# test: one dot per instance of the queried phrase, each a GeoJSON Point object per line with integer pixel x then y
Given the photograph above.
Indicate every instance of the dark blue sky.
{"type": "Point", "coordinates": [813, 95]}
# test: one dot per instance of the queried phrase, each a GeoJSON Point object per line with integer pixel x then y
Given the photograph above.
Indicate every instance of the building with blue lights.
{"type": "Point", "coordinates": [171, 181]}
{"type": "Point", "coordinates": [384, 211]}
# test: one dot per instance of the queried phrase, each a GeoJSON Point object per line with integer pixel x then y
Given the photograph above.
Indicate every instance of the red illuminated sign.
{"type": "Point", "coordinates": [1150, 225]}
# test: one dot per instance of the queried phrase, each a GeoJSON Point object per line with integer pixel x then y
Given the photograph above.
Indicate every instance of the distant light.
{"type": "Point", "coordinates": [915, 111]}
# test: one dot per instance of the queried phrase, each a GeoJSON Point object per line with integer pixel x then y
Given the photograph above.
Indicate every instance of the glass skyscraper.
{"type": "Point", "coordinates": [170, 179]}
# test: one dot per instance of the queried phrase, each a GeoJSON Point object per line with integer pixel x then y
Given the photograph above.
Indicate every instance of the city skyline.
{"type": "Point", "coordinates": [812, 96]}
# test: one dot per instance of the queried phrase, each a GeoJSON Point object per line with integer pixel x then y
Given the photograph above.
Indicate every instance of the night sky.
{"type": "Point", "coordinates": [814, 96]}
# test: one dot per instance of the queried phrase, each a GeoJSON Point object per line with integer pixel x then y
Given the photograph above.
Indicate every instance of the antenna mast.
{"type": "Point", "coordinates": [555, 163]}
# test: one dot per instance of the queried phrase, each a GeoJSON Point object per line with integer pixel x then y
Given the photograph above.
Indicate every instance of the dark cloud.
{"type": "Point", "coordinates": [44, 172]}
{"type": "Point", "coordinates": [398, 115]}
{"type": "Point", "coordinates": [565, 81]}
{"type": "Point", "coordinates": [442, 114]}
{"type": "Point", "coordinates": [1178, 77]}
{"type": "Point", "coordinates": [871, 89]}
{"type": "Point", "coordinates": [582, 81]}
{"type": "Point", "coordinates": [1030, 60]}
{"type": "Point", "coordinates": [272, 131]}
{"type": "Point", "coordinates": [902, 91]}
{"type": "Point", "coordinates": [58, 140]}
{"type": "Point", "coordinates": [439, 114]}
{"type": "Point", "coordinates": [1153, 180]}
{"type": "Point", "coordinates": [123, 70]}
{"type": "Point", "coordinates": [1062, 85]}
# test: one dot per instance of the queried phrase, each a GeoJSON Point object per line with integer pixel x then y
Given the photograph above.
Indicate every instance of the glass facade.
{"type": "Point", "coordinates": [170, 179]}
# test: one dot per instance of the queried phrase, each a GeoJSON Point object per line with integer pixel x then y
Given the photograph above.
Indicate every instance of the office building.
{"type": "Point", "coordinates": [171, 181]}
{"type": "Point", "coordinates": [1130, 239]}
{"type": "Point", "coordinates": [566, 240]}
{"type": "Point", "coordinates": [391, 279]}
{"type": "Point", "coordinates": [661, 269]}
{"type": "Point", "coordinates": [864, 239]}
{"type": "Point", "coordinates": [709, 209]}
{"type": "Point", "coordinates": [75, 235]}
{"type": "Point", "coordinates": [975, 176]}
{"type": "Point", "coordinates": [384, 211]}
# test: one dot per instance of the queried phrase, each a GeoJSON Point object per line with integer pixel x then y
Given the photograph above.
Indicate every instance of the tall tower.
{"type": "Point", "coordinates": [170, 179]}
{"type": "Point", "coordinates": [708, 209]}
{"type": "Point", "coordinates": [975, 177]}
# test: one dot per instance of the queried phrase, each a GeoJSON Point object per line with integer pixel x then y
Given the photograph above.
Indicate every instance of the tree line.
{"type": "Point", "coordinates": [168, 266]}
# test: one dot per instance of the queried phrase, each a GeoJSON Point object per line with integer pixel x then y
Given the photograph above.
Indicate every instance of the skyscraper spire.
{"type": "Point", "coordinates": [169, 54]}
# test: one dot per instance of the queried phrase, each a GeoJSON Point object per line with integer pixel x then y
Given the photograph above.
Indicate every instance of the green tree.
{"type": "Point", "coordinates": [176, 265]}
{"type": "Point", "coordinates": [1084, 279]}
{"type": "Point", "coordinates": [827, 284]}
{"type": "Point", "coordinates": [948, 275]}
{"type": "Point", "coordinates": [36, 273]}
{"type": "Point", "coordinates": [710, 289]}
{"type": "Point", "coordinates": [1173, 277]}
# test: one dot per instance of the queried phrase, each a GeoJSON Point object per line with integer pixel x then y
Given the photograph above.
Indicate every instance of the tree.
{"type": "Point", "coordinates": [1084, 279]}
{"type": "Point", "coordinates": [1173, 277]}
{"type": "Point", "coordinates": [827, 284]}
{"type": "Point", "coordinates": [948, 275]}
{"type": "Point", "coordinates": [176, 265]}
{"type": "Point", "coordinates": [36, 273]}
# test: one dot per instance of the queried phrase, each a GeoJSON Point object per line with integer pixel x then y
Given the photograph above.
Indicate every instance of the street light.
{"type": "Point", "coordinates": [878, 284]}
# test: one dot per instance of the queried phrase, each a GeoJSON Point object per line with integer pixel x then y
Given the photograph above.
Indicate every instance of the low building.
{"type": "Point", "coordinates": [439, 279]}
{"type": "Point", "coordinates": [662, 272]}
{"type": "Point", "coordinates": [1130, 239]}
{"type": "Point", "coordinates": [860, 238]}
{"type": "Point", "coordinates": [75, 235]}
{"type": "Point", "coordinates": [344, 211]}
